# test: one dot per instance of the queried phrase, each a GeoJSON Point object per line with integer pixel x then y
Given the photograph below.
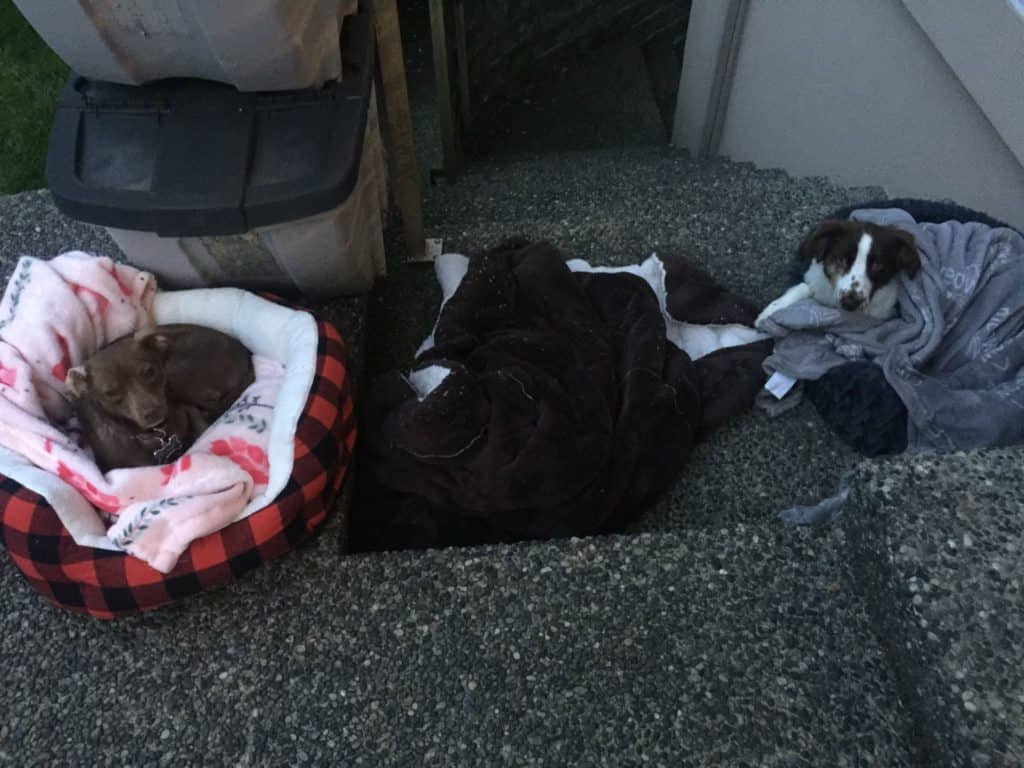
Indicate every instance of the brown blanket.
{"type": "Point", "coordinates": [565, 411]}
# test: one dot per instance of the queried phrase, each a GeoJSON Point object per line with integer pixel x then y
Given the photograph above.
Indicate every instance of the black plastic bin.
{"type": "Point", "coordinates": [204, 185]}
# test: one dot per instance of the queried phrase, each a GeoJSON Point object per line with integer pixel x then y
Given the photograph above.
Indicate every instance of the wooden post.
{"type": "Point", "coordinates": [399, 118]}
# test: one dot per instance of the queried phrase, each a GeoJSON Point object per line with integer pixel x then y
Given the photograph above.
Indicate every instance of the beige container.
{"type": "Point", "coordinates": [254, 45]}
{"type": "Point", "coordinates": [338, 252]}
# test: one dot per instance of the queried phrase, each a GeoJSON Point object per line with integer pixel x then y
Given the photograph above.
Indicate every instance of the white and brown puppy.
{"type": "Point", "coordinates": [852, 265]}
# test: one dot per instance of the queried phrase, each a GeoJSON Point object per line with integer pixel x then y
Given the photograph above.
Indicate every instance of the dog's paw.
{"type": "Point", "coordinates": [797, 293]}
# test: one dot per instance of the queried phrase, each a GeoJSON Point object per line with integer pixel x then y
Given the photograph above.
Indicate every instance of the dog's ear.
{"type": "Point", "coordinates": [153, 340]}
{"type": "Point", "coordinates": [908, 259]}
{"type": "Point", "coordinates": [817, 243]}
{"type": "Point", "coordinates": [77, 381]}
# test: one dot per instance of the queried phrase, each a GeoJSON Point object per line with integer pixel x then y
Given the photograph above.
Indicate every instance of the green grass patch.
{"type": "Point", "coordinates": [31, 78]}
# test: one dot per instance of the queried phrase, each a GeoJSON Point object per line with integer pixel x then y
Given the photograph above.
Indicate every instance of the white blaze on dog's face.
{"type": "Point", "coordinates": [856, 266]}
{"type": "Point", "coordinates": [854, 287]}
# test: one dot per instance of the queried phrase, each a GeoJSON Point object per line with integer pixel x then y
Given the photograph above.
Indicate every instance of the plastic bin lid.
{"type": "Point", "coordinates": [189, 158]}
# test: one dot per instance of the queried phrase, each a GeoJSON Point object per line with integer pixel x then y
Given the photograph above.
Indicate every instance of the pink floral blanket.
{"type": "Point", "coordinates": [54, 315]}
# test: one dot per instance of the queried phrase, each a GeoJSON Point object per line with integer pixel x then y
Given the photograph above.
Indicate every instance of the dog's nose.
{"type": "Point", "coordinates": [851, 301]}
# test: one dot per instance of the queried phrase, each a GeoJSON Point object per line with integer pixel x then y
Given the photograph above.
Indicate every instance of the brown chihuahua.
{"type": "Point", "coordinates": [145, 398]}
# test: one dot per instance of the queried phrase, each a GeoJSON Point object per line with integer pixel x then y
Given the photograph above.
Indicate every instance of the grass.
{"type": "Point", "coordinates": [32, 77]}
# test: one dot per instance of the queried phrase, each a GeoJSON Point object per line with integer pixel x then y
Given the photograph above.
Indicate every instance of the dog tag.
{"type": "Point", "coordinates": [779, 385]}
{"type": "Point", "coordinates": [168, 449]}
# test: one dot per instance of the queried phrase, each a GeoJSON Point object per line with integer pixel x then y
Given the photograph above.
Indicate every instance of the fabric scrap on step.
{"type": "Point", "coordinates": [828, 510]}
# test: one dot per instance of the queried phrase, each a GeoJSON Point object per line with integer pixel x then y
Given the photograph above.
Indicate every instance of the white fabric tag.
{"type": "Point", "coordinates": [779, 385]}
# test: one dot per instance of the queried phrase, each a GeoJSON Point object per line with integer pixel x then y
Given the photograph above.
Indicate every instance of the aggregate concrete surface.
{"type": "Point", "coordinates": [716, 637]}
{"type": "Point", "coordinates": [739, 645]}
{"type": "Point", "coordinates": [938, 543]}
{"type": "Point", "coordinates": [731, 647]}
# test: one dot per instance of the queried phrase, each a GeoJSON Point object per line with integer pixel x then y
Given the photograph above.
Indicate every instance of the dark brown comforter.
{"type": "Point", "coordinates": [566, 411]}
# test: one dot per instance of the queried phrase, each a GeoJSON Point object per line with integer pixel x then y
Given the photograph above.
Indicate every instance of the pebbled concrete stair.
{"type": "Point", "coordinates": [715, 637]}
{"type": "Point", "coordinates": [712, 636]}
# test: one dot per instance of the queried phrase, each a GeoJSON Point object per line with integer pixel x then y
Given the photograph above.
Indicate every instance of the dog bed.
{"type": "Point", "coordinates": [855, 398]}
{"type": "Point", "coordinates": [56, 545]}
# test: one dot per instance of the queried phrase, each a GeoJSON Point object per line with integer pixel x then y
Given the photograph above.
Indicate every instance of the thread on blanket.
{"type": "Point", "coordinates": [455, 455]}
{"type": "Point", "coordinates": [522, 386]}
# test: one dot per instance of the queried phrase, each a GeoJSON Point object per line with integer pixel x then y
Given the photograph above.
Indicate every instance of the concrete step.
{"type": "Point", "coordinates": [618, 205]}
{"type": "Point", "coordinates": [948, 615]}
{"type": "Point", "coordinates": [714, 637]}
{"type": "Point", "coordinates": [735, 643]}
{"type": "Point", "coordinates": [738, 646]}
{"type": "Point", "coordinates": [670, 649]}
{"type": "Point", "coordinates": [937, 545]}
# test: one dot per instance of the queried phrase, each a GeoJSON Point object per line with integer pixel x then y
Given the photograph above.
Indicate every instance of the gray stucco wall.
{"type": "Point", "coordinates": [858, 91]}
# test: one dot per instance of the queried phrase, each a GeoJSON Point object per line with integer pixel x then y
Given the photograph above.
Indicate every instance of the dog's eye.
{"type": "Point", "coordinates": [147, 372]}
{"type": "Point", "coordinates": [114, 395]}
{"type": "Point", "coordinates": [874, 268]}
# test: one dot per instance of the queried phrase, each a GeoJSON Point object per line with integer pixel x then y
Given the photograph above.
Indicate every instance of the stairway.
{"type": "Point", "coordinates": [710, 635]}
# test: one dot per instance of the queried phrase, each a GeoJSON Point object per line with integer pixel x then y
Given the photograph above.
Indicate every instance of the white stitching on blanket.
{"type": "Point", "coordinates": [521, 385]}
{"type": "Point", "coordinates": [448, 455]}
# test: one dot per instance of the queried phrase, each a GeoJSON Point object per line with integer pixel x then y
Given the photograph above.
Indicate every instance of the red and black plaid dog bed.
{"type": "Point", "coordinates": [107, 584]}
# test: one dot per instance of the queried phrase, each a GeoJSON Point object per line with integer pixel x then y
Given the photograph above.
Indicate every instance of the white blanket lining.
{"type": "Point", "coordinates": [696, 340]}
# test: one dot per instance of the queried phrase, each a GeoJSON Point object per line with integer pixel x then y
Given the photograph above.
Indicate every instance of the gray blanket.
{"type": "Point", "coordinates": [955, 352]}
